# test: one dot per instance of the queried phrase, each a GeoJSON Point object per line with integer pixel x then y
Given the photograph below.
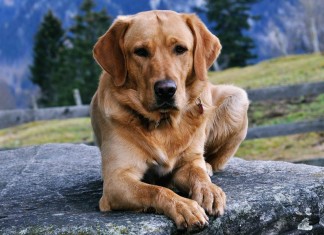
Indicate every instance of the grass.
{"type": "Point", "coordinates": [275, 72]}
{"type": "Point", "coordinates": [286, 148]}
{"type": "Point", "coordinates": [287, 111]}
{"type": "Point", "coordinates": [282, 71]}
{"type": "Point", "coordinates": [40, 132]}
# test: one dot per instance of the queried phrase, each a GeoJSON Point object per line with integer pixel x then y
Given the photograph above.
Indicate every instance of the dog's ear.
{"type": "Point", "coordinates": [109, 51]}
{"type": "Point", "coordinates": [207, 46]}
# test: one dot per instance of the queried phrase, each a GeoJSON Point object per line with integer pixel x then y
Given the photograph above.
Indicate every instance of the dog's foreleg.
{"type": "Point", "coordinates": [123, 190]}
{"type": "Point", "coordinates": [192, 178]}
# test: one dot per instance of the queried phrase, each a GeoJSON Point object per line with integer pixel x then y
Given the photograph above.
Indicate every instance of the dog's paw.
{"type": "Point", "coordinates": [187, 214]}
{"type": "Point", "coordinates": [210, 197]}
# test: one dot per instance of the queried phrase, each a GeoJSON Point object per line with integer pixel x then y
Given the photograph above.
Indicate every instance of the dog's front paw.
{"type": "Point", "coordinates": [187, 214]}
{"type": "Point", "coordinates": [210, 197]}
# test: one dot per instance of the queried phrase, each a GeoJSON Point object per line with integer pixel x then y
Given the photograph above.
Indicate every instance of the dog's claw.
{"type": "Point", "coordinates": [211, 198]}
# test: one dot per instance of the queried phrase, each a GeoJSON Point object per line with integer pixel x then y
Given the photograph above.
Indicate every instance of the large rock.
{"type": "Point", "coordinates": [55, 188]}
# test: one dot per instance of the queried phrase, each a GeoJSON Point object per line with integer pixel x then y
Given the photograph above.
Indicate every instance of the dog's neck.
{"type": "Point", "coordinates": [149, 124]}
{"type": "Point", "coordinates": [165, 118]}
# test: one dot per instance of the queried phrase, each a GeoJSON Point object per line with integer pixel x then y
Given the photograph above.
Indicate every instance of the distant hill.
{"type": "Point", "coordinates": [19, 21]}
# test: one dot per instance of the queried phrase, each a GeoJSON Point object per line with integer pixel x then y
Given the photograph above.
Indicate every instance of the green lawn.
{"type": "Point", "coordinates": [279, 112]}
{"type": "Point", "coordinates": [276, 72]}
{"type": "Point", "coordinates": [286, 148]}
{"type": "Point", "coordinates": [55, 131]}
{"type": "Point", "coordinates": [281, 71]}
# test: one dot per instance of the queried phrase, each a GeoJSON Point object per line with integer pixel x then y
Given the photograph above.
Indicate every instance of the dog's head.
{"type": "Point", "coordinates": [160, 55]}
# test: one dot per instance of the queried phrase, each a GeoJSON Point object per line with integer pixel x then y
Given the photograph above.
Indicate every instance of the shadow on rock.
{"type": "Point", "coordinates": [84, 197]}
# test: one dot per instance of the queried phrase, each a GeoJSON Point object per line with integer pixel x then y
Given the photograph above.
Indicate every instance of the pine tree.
{"type": "Point", "coordinates": [78, 69]}
{"type": "Point", "coordinates": [231, 21]}
{"type": "Point", "coordinates": [48, 43]}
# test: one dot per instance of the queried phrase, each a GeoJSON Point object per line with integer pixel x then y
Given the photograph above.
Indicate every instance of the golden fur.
{"type": "Point", "coordinates": [141, 145]}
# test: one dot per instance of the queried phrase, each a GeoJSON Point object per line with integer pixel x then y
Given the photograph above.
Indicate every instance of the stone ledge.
{"type": "Point", "coordinates": [55, 188]}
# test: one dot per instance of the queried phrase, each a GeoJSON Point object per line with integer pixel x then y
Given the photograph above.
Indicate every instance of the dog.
{"type": "Point", "coordinates": [159, 122]}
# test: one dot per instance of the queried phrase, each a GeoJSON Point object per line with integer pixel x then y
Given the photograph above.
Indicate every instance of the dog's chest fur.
{"type": "Point", "coordinates": [176, 139]}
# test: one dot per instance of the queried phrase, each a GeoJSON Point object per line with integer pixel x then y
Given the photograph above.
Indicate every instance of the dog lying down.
{"type": "Point", "coordinates": [159, 122]}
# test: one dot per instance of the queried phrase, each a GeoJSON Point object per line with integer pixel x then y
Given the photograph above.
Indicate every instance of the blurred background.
{"type": "Point", "coordinates": [46, 61]}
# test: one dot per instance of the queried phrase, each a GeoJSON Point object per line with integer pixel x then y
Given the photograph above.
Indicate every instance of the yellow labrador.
{"type": "Point", "coordinates": [158, 120]}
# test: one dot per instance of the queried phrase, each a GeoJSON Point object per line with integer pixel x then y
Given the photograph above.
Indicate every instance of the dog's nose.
{"type": "Point", "coordinates": [165, 89]}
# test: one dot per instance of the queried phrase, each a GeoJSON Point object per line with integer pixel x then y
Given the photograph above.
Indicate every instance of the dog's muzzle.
{"type": "Point", "coordinates": [164, 94]}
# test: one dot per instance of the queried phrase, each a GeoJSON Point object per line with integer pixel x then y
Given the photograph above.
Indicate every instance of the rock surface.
{"type": "Point", "coordinates": [55, 188]}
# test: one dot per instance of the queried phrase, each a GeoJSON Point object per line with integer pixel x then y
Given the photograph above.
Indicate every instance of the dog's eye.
{"type": "Point", "coordinates": [142, 52]}
{"type": "Point", "coordinates": [179, 50]}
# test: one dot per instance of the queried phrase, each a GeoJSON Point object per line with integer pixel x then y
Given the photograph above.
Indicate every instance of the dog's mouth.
{"type": "Point", "coordinates": [165, 107]}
